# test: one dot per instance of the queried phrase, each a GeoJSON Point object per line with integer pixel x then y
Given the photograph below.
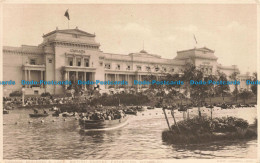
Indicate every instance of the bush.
{"type": "Point", "coordinates": [16, 94]}
{"type": "Point", "coordinates": [197, 130]}
{"type": "Point", "coordinates": [46, 94]}
{"type": "Point", "coordinates": [205, 125]}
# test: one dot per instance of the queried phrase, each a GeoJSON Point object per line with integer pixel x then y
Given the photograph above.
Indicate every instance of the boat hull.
{"type": "Point", "coordinates": [38, 115]}
{"type": "Point", "coordinates": [90, 125]}
{"type": "Point", "coordinates": [5, 112]}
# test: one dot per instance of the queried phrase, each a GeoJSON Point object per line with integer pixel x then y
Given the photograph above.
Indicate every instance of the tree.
{"type": "Point", "coordinates": [233, 76]}
{"type": "Point", "coordinates": [198, 93]}
{"type": "Point", "coordinates": [254, 86]}
{"type": "Point", "coordinates": [222, 89]}
{"type": "Point", "coordinates": [245, 94]}
{"type": "Point", "coordinates": [211, 89]}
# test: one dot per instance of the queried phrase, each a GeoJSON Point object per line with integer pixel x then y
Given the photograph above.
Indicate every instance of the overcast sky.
{"type": "Point", "coordinates": [230, 30]}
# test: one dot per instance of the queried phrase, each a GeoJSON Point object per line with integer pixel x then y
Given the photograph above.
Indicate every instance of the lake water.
{"type": "Point", "coordinates": [57, 138]}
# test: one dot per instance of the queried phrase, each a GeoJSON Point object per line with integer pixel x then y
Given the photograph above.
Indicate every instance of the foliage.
{"type": "Point", "coordinates": [254, 86]}
{"type": "Point", "coordinates": [198, 93]}
{"type": "Point", "coordinates": [45, 94]}
{"type": "Point", "coordinates": [222, 89]}
{"type": "Point", "coordinates": [233, 76]}
{"type": "Point", "coordinates": [16, 94]}
{"type": "Point", "coordinates": [245, 94]}
{"type": "Point", "coordinates": [204, 124]}
{"type": "Point", "coordinates": [201, 130]}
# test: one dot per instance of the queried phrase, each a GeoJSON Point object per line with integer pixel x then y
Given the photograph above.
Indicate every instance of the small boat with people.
{"type": "Point", "coordinates": [36, 114]}
{"type": "Point", "coordinates": [140, 108]}
{"type": "Point", "coordinates": [54, 108]}
{"type": "Point", "coordinates": [130, 111]}
{"type": "Point", "coordinates": [150, 107]}
{"type": "Point", "coordinates": [210, 106]}
{"type": "Point", "coordinates": [56, 114]}
{"type": "Point", "coordinates": [5, 111]}
{"type": "Point", "coordinates": [66, 114]}
{"type": "Point", "coordinates": [9, 108]}
{"type": "Point", "coordinates": [103, 121]}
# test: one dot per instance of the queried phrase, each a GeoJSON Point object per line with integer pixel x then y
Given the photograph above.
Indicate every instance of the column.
{"type": "Point", "coordinates": [25, 77]}
{"type": "Point", "coordinates": [41, 79]}
{"type": "Point", "coordinates": [29, 77]}
{"type": "Point", "coordinates": [85, 80]}
{"type": "Point", "coordinates": [66, 78]}
{"type": "Point", "coordinates": [115, 80]}
{"type": "Point", "coordinates": [77, 75]}
{"type": "Point", "coordinates": [93, 77]}
{"type": "Point", "coordinates": [105, 80]}
{"type": "Point", "coordinates": [74, 60]}
{"type": "Point", "coordinates": [139, 86]}
{"type": "Point", "coordinates": [82, 62]}
{"type": "Point", "coordinates": [82, 79]}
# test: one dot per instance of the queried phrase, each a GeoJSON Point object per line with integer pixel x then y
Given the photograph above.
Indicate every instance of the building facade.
{"type": "Point", "coordinates": [74, 54]}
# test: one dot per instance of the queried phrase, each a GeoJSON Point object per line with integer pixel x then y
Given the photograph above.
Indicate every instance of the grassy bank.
{"type": "Point", "coordinates": [203, 130]}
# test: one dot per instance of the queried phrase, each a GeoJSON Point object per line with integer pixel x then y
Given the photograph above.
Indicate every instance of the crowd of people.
{"type": "Point", "coordinates": [32, 101]}
{"type": "Point", "coordinates": [104, 115]}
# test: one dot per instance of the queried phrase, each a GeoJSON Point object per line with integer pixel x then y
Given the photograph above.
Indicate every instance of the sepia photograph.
{"type": "Point", "coordinates": [129, 81]}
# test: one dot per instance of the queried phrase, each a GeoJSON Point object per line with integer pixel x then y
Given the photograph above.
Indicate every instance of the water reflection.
{"type": "Point", "coordinates": [140, 139]}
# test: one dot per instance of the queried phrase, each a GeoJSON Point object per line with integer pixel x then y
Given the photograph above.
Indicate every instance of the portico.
{"type": "Point", "coordinates": [79, 73]}
{"type": "Point", "coordinates": [33, 72]}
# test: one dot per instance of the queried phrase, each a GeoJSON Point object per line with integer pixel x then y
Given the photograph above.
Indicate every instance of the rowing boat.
{"type": "Point", "coordinates": [37, 115]}
{"type": "Point", "coordinates": [97, 125]}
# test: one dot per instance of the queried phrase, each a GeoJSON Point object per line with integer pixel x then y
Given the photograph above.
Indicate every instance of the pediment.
{"type": "Point", "coordinates": [205, 49]}
{"type": "Point", "coordinates": [71, 31]}
{"type": "Point", "coordinates": [145, 55]}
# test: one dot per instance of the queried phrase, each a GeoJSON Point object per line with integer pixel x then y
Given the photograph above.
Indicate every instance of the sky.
{"type": "Point", "coordinates": [229, 29]}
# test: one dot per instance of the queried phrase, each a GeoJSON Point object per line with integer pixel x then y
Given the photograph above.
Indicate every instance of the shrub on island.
{"type": "Point", "coordinates": [203, 129]}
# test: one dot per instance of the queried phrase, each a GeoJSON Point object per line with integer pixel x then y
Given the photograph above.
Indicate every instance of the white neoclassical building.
{"type": "Point", "coordinates": [73, 53]}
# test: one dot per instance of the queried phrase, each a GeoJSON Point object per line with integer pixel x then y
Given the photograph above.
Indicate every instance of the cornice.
{"type": "Point", "coordinates": [76, 44]}
{"type": "Point", "coordinates": [5, 51]}
{"type": "Point", "coordinates": [141, 62]}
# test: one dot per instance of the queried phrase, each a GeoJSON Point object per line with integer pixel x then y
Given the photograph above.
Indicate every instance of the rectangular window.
{"type": "Point", "coordinates": [32, 61]}
{"type": "Point", "coordinates": [36, 92]}
{"type": "Point", "coordinates": [118, 67]}
{"type": "Point", "coordinates": [107, 66]}
{"type": "Point", "coordinates": [148, 68]}
{"type": "Point", "coordinates": [50, 60]}
{"type": "Point", "coordinates": [70, 60]}
{"type": "Point", "coordinates": [86, 62]}
{"type": "Point", "coordinates": [157, 69]}
{"type": "Point", "coordinates": [139, 68]}
{"type": "Point", "coordinates": [164, 69]}
{"type": "Point", "coordinates": [78, 61]}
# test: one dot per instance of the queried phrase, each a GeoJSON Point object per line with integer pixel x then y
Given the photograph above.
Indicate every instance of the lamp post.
{"type": "Point", "coordinates": [23, 91]}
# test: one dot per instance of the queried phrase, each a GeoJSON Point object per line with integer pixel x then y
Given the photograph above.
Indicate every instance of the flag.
{"type": "Point", "coordinates": [195, 39]}
{"type": "Point", "coordinates": [67, 14]}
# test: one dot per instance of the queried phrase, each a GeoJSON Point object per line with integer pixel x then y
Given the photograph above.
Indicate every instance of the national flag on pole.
{"type": "Point", "coordinates": [67, 14]}
{"type": "Point", "coordinates": [195, 39]}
